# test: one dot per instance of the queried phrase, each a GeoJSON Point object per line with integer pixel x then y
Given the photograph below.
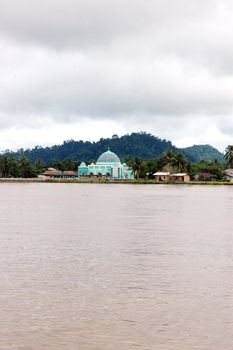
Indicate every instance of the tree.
{"type": "Point", "coordinates": [180, 163]}
{"type": "Point", "coordinates": [5, 167]}
{"type": "Point", "coordinates": [40, 166]}
{"type": "Point", "coordinates": [13, 170]}
{"type": "Point", "coordinates": [152, 167]}
{"type": "Point", "coordinates": [2, 164]}
{"type": "Point", "coordinates": [229, 155]}
{"type": "Point", "coordinates": [214, 168]}
{"type": "Point", "coordinates": [137, 165]}
{"type": "Point", "coordinates": [26, 169]}
{"type": "Point", "coordinates": [70, 164]}
{"type": "Point", "coordinates": [171, 161]}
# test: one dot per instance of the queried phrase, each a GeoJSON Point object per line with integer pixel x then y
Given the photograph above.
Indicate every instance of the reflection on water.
{"type": "Point", "coordinates": [109, 267]}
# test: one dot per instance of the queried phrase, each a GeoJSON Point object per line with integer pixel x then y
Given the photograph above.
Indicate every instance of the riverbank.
{"type": "Point", "coordinates": [111, 181]}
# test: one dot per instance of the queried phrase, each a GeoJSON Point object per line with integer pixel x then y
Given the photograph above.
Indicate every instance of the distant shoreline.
{"type": "Point", "coordinates": [105, 181]}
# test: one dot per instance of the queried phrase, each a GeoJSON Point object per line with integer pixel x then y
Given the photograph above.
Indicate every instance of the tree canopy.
{"type": "Point", "coordinates": [141, 145]}
{"type": "Point", "coordinates": [229, 155]}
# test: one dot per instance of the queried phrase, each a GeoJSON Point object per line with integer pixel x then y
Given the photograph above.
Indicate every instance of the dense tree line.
{"type": "Point", "coordinates": [22, 167]}
{"type": "Point", "coordinates": [174, 162]}
{"type": "Point", "coordinates": [170, 160]}
{"type": "Point", "coordinates": [141, 145]}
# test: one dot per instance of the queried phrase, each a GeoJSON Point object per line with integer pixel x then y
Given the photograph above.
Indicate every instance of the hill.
{"type": "Point", "coordinates": [197, 153]}
{"type": "Point", "coordinates": [141, 145]}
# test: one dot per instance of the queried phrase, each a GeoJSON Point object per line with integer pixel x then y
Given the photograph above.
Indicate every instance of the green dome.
{"type": "Point", "coordinates": [108, 157]}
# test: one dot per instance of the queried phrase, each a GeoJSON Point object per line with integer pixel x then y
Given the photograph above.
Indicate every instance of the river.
{"type": "Point", "coordinates": [116, 267]}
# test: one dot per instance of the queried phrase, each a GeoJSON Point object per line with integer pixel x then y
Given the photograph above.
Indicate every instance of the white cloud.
{"type": "Point", "coordinates": [49, 134]}
{"type": "Point", "coordinates": [163, 67]}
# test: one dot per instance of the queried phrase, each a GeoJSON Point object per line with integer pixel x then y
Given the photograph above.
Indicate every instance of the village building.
{"type": "Point", "coordinates": [181, 177]}
{"type": "Point", "coordinates": [228, 175]}
{"type": "Point", "coordinates": [167, 176]}
{"type": "Point", "coordinates": [162, 176]}
{"type": "Point", "coordinates": [109, 165]}
{"type": "Point", "coordinates": [57, 174]}
{"type": "Point", "coordinates": [205, 176]}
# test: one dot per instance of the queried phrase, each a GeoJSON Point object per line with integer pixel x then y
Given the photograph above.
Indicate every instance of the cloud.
{"type": "Point", "coordinates": [143, 65]}
{"type": "Point", "coordinates": [77, 24]}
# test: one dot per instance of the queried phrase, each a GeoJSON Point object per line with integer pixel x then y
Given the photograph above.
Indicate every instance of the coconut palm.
{"type": "Point", "coordinates": [136, 166]}
{"type": "Point", "coordinates": [171, 161]}
{"type": "Point", "coordinates": [229, 155]}
{"type": "Point", "coordinates": [179, 162]}
{"type": "Point", "coordinates": [166, 160]}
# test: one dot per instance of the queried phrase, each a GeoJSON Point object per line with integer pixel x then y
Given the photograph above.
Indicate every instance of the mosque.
{"type": "Point", "coordinates": [108, 164]}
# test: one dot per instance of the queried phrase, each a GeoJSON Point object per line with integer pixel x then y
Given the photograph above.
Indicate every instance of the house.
{"type": "Point", "coordinates": [205, 176]}
{"type": "Point", "coordinates": [69, 174]}
{"type": "Point", "coordinates": [162, 176]}
{"type": "Point", "coordinates": [228, 175]}
{"type": "Point", "coordinates": [180, 177]}
{"type": "Point", "coordinates": [57, 174]}
{"type": "Point", "coordinates": [166, 176]}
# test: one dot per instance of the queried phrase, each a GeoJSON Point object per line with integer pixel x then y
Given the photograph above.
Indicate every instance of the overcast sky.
{"type": "Point", "coordinates": [86, 69]}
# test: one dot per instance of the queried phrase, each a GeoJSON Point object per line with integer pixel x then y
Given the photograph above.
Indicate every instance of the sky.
{"type": "Point", "coordinates": [74, 69]}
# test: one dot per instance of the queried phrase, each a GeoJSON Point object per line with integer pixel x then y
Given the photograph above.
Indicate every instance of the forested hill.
{"type": "Point", "coordinates": [141, 145]}
{"type": "Point", "coordinates": [197, 153]}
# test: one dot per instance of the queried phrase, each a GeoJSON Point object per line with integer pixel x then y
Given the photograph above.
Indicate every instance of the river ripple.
{"type": "Point", "coordinates": [116, 267]}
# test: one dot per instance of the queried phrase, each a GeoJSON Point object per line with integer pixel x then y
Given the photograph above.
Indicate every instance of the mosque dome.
{"type": "Point", "coordinates": [108, 157]}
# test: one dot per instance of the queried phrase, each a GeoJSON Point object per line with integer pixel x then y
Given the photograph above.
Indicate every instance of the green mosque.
{"type": "Point", "coordinates": [108, 164]}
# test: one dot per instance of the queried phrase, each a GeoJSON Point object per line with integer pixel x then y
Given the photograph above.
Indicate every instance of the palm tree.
{"type": "Point", "coordinates": [26, 169]}
{"type": "Point", "coordinates": [136, 166]}
{"type": "Point", "coordinates": [229, 155]}
{"type": "Point", "coordinates": [166, 160]}
{"type": "Point", "coordinates": [171, 161]}
{"type": "Point", "coordinates": [180, 163]}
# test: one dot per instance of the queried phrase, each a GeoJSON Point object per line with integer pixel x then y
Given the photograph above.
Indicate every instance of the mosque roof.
{"type": "Point", "coordinates": [108, 157]}
{"type": "Point", "coordinates": [83, 164]}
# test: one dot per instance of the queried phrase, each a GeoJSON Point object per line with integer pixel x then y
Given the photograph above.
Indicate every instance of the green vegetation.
{"type": "Point", "coordinates": [173, 162]}
{"type": "Point", "coordinates": [141, 145]}
{"type": "Point", "coordinates": [17, 165]}
{"type": "Point", "coordinates": [137, 166]}
{"type": "Point", "coordinates": [22, 168]}
{"type": "Point", "coordinates": [198, 153]}
{"type": "Point", "coordinates": [229, 155]}
{"type": "Point", "coordinates": [10, 167]}
{"type": "Point", "coordinates": [168, 161]}
{"type": "Point", "coordinates": [214, 168]}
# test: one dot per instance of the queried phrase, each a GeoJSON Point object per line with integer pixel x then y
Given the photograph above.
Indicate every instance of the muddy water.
{"type": "Point", "coordinates": [116, 267]}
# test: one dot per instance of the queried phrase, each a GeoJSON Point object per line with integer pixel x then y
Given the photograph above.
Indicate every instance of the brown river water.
{"type": "Point", "coordinates": [116, 267]}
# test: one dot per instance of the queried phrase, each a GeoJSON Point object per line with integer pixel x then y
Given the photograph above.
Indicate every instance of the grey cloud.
{"type": "Point", "coordinates": [75, 85]}
{"type": "Point", "coordinates": [77, 24]}
{"type": "Point", "coordinates": [71, 23]}
{"type": "Point", "coordinates": [140, 63]}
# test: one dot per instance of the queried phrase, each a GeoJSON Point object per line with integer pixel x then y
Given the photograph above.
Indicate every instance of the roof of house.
{"type": "Point", "coordinates": [52, 172]}
{"type": "Point", "coordinates": [55, 172]}
{"type": "Point", "coordinates": [206, 174]}
{"type": "Point", "coordinates": [160, 173]}
{"type": "Point", "coordinates": [179, 174]}
{"type": "Point", "coordinates": [70, 172]}
{"type": "Point", "coordinates": [228, 172]}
